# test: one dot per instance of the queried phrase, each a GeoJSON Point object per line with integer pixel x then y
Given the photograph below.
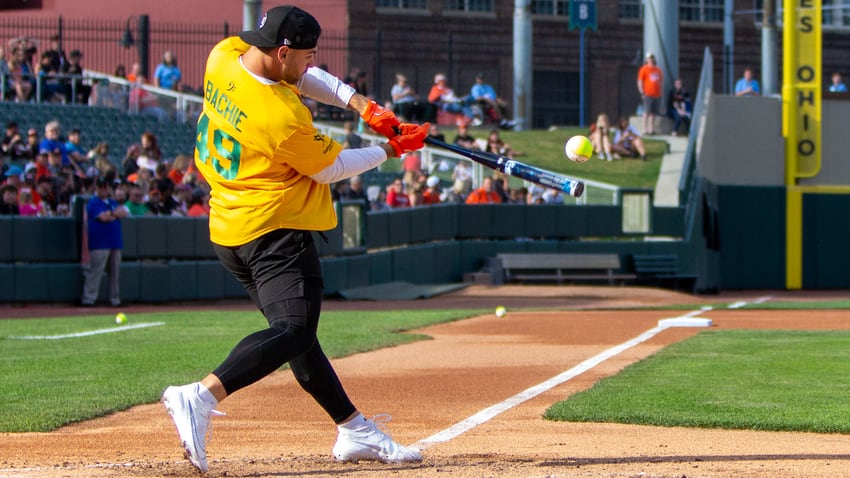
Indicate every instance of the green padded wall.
{"type": "Point", "coordinates": [7, 282]}
{"type": "Point", "coordinates": [475, 221]}
{"type": "Point", "coordinates": [180, 237]}
{"type": "Point", "coordinates": [6, 229]}
{"type": "Point", "coordinates": [40, 239]}
{"type": "Point", "coordinates": [378, 230]}
{"type": "Point", "coordinates": [542, 220]}
{"type": "Point", "coordinates": [826, 237]}
{"type": "Point", "coordinates": [444, 221]}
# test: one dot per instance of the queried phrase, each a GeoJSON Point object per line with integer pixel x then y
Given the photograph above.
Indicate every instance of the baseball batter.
{"type": "Point", "coordinates": [270, 170]}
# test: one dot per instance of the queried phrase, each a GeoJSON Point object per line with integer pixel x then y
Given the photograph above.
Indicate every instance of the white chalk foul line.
{"type": "Point", "coordinates": [109, 330]}
{"type": "Point", "coordinates": [488, 413]}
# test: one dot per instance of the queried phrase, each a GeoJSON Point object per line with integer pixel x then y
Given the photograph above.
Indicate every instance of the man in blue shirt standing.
{"type": "Point", "coordinates": [747, 86]}
{"type": "Point", "coordinates": [105, 242]}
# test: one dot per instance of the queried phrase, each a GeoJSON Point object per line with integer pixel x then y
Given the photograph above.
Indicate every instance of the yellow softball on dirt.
{"type": "Point", "coordinates": [501, 311]}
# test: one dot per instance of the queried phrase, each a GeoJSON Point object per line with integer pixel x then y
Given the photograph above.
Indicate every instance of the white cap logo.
{"type": "Point", "coordinates": [263, 21]}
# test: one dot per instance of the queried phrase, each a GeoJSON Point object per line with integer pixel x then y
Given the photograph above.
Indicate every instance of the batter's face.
{"type": "Point", "coordinates": [294, 63]}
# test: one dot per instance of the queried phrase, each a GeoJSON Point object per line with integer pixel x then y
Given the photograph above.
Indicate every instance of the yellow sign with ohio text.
{"type": "Point", "coordinates": [801, 89]}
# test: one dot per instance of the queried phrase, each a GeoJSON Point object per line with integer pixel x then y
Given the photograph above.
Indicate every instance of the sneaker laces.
{"type": "Point", "coordinates": [380, 420]}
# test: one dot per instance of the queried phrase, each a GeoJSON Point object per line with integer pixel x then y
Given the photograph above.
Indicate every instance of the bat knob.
{"type": "Point", "coordinates": [578, 190]}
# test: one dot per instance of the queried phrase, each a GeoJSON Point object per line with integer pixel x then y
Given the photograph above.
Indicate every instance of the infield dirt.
{"type": "Point", "coordinates": [273, 429]}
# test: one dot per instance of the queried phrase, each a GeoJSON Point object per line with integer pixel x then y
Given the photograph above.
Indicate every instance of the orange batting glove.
{"type": "Point", "coordinates": [381, 119]}
{"type": "Point", "coordinates": [411, 137]}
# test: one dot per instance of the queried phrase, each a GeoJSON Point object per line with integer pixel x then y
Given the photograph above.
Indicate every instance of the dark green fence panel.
{"type": "Point", "coordinates": [570, 221]}
{"type": "Point", "coordinates": [508, 221]}
{"type": "Point", "coordinates": [6, 229]}
{"type": "Point", "coordinates": [154, 282]}
{"type": "Point", "coordinates": [203, 245]}
{"type": "Point", "coordinates": [180, 237]}
{"type": "Point", "coordinates": [668, 221]}
{"type": "Point", "coordinates": [30, 283]}
{"type": "Point", "coordinates": [755, 259]}
{"type": "Point", "coordinates": [378, 229]}
{"type": "Point", "coordinates": [399, 227]}
{"type": "Point", "coordinates": [414, 264]}
{"type": "Point", "coordinates": [541, 247]}
{"type": "Point", "coordinates": [65, 282]}
{"type": "Point", "coordinates": [358, 271]}
{"type": "Point", "coordinates": [447, 259]}
{"type": "Point", "coordinates": [40, 239]}
{"type": "Point", "coordinates": [420, 224]}
{"type": "Point", "coordinates": [7, 279]}
{"type": "Point", "coordinates": [444, 221]}
{"type": "Point", "coordinates": [151, 237]}
{"type": "Point", "coordinates": [380, 267]}
{"type": "Point", "coordinates": [826, 237]}
{"type": "Point", "coordinates": [475, 221]}
{"type": "Point", "coordinates": [603, 221]}
{"type": "Point", "coordinates": [541, 220]}
{"type": "Point", "coordinates": [131, 281]}
{"type": "Point", "coordinates": [183, 280]}
{"type": "Point", "coordinates": [335, 274]}
{"type": "Point", "coordinates": [129, 233]}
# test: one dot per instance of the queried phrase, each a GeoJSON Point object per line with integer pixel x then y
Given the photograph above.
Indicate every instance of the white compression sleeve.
{"type": "Point", "coordinates": [351, 162]}
{"type": "Point", "coordinates": [325, 88]}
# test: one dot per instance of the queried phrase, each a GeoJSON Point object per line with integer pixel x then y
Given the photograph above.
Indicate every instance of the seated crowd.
{"type": "Point", "coordinates": [41, 175]}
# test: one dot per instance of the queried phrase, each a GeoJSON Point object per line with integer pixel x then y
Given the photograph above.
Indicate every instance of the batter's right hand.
{"type": "Point", "coordinates": [411, 137]}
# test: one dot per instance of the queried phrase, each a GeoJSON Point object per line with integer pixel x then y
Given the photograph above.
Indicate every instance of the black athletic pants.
{"type": "Point", "coordinates": [283, 276]}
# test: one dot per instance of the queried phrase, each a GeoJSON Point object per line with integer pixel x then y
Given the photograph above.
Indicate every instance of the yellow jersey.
{"type": "Point", "coordinates": [256, 146]}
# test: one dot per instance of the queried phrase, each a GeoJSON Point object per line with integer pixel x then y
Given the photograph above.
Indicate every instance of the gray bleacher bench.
{"type": "Point", "coordinates": [660, 269]}
{"type": "Point", "coordinates": [556, 267]}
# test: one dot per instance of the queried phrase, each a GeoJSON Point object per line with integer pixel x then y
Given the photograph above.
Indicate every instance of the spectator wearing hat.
{"type": "Point", "coordinates": [492, 107]}
{"type": "Point", "coordinates": [13, 175]}
{"type": "Point", "coordinates": [199, 205]}
{"type": "Point", "coordinates": [9, 200]}
{"type": "Point", "coordinates": [13, 145]}
{"type": "Point", "coordinates": [432, 192]}
{"type": "Point", "coordinates": [650, 84]}
{"type": "Point", "coordinates": [75, 90]}
{"type": "Point", "coordinates": [103, 219]}
{"type": "Point", "coordinates": [444, 98]}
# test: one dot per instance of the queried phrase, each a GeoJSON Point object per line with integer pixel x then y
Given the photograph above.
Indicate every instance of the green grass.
{"type": "Point", "coordinates": [49, 383]}
{"type": "Point", "coordinates": [545, 149]}
{"type": "Point", "coordinates": [761, 380]}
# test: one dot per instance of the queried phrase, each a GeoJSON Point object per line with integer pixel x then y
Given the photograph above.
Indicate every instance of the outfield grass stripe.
{"type": "Point", "coordinates": [488, 413]}
{"type": "Point", "coordinates": [89, 332]}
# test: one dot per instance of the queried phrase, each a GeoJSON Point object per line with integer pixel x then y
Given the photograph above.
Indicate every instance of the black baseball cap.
{"type": "Point", "coordinates": [285, 25]}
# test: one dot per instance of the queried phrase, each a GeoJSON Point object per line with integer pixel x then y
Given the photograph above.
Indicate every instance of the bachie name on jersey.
{"type": "Point", "coordinates": [222, 104]}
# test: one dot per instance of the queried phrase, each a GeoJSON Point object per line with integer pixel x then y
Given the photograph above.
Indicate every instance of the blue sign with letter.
{"type": "Point", "coordinates": [582, 14]}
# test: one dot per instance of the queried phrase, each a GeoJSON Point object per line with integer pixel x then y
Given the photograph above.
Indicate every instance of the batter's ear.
{"type": "Point", "coordinates": [281, 53]}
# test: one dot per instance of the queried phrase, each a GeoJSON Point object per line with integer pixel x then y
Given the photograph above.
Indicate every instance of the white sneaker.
{"type": "Point", "coordinates": [191, 416]}
{"type": "Point", "coordinates": [371, 443]}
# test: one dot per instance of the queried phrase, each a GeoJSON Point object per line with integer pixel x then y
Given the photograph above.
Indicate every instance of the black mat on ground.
{"type": "Point", "coordinates": [399, 291]}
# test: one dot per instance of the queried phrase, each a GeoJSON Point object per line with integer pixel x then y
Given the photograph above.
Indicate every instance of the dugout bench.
{"type": "Point", "coordinates": [531, 267]}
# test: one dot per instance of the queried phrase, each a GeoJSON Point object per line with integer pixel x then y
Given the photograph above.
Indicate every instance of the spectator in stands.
{"type": "Point", "coordinates": [484, 194]}
{"type": "Point", "coordinates": [650, 84]}
{"type": "Point", "coordinates": [182, 197]}
{"type": "Point", "coordinates": [144, 102]}
{"type": "Point", "coordinates": [444, 99]}
{"type": "Point", "coordinates": [405, 101]}
{"type": "Point", "coordinates": [434, 132]}
{"type": "Point", "coordinates": [627, 141]}
{"type": "Point", "coordinates": [105, 242]}
{"type": "Point", "coordinates": [492, 106]}
{"type": "Point", "coordinates": [396, 197]}
{"type": "Point", "coordinates": [432, 192]}
{"type": "Point", "coordinates": [357, 79]}
{"type": "Point", "coordinates": [463, 173]}
{"type": "Point", "coordinates": [100, 151]}
{"type": "Point", "coordinates": [144, 154]}
{"type": "Point", "coordinates": [179, 167]}
{"type": "Point", "coordinates": [13, 144]}
{"type": "Point", "coordinates": [120, 71]}
{"type": "Point", "coordinates": [53, 143]}
{"type": "Point", "coordinates": [411, 165]}
{"type": "Point", "coordinates": [499, 186]}
{"type": "Point", "coordinates": [518, 195]}
{"type": "Point", "coordinates": [155, 202]}
{"type": "Point", "coordinates": [496, 145]}
{"type": "Point", "coordinates": [552, 196]}
{"type": "Point", "coordinates": [135, 71]}
{"type": "Point", "coordinates": [747, 85]}
{"type": "Point", "coordinates": [355, 189]}
{"type": "Point", "coordinates": [75, 90]}
{"type": "Point", "coordinates": [351, 140]}
{"type": "Point", "coordinates": [837, 85]}
{"type": "Point", "coordinates": [26, 205]}
{"type": "Point", "coordinates": [76, 154]}
{"type": "Point", "coordinates": [463, 138]}
{"type": "Point", "coordinates": [9, 200]}
{"type": "Point", "coordinates": [679, 107]}
{"type": "Point", "coordinates": [600, 137]}
{"type": "Point", "coordinates": [136, 201]}
{"type": "Point", "coordinates": [456, 194]}
{"type": "Point", "coordinates": [167, 74]}
{"type": "Point", "coordinates": [5, 74]}
{"type": "Point", "coordinates": [23, 77]}
{"type": "Point", "coordinates": [52, 89]}
{"type": "Point", "coordinates": [32, 148]}
{"type": "Point", "coordinates": [199, 205]}
{"type": "Point", "coordinates": [416, 195]}
{"type": "Point", "coordinates": [56, 54]}
{"type": "Point", "coordinates": [12, 175]}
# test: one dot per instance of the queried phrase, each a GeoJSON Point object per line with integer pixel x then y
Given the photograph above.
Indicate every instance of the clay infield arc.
{"type": "Point", "coordinates": [272, 429]}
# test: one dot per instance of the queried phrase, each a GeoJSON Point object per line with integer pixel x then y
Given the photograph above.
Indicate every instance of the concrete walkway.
{"type": "Point", "coordinates": [667, 187]}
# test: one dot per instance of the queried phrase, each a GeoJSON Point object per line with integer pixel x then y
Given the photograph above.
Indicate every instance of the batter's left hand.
{"type": "Point", "coordinates": [381, 119]}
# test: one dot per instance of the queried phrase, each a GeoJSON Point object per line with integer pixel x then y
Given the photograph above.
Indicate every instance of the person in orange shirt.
{"type": "Point", "coordinates": [485, 194]}
{"type": "Point", "coordinates": [431, 195]}
{"type": "Point", "coordinates": [650, 83]}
